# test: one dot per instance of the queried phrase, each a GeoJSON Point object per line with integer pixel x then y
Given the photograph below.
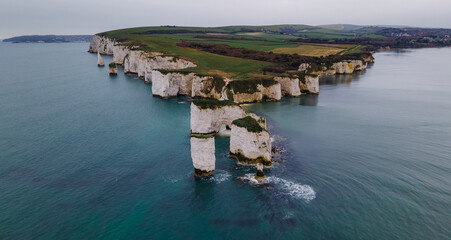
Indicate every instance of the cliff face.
{"type": "Point", "coordinates": [102, 45]}
{"type": "Point", "coordinates": [342, 67]}
{"type": "Point", "coordinates": [136, 61]}
{"type": "Point", "coordinates": [259, 94]}
{"type": "Point", "coordinates": [168, 85]}
{"type": "Point", "coordinates": [310, 84]}
{"type": "Point", "coordinates": [209, 120]}
{"type": "Point", "coordinates": [289, 86]}
{"type": "Point", "coordinates": [209, 87]}
{"type": "Point", "coordinates": [171, 84]}
{"type": "Point", "coordinates": [119, 53]}
{"type": "Point", "coordinates": [250, 147]}
{"type": "Point", "coordinates": [203, 155]}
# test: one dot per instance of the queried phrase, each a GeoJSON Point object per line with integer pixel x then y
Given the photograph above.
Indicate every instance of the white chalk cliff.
{"type": "Point", "coordinates": [171, 84]}
{"type": "Point", "coordinates": [210, 120]}
{"type": "Point", "coordinates": [310, 84]}
{"type": "Point", "coordinates": [289, 86]}
{"type": "Point", "coordinates": [342, 67]}
{"type": "Point", "coordinates": [102, 45]}
{"type": "Point", "coordinates": [203, 155]}
{"type": "Point", "coordinates": [250, 147]}
{"type": "Point", "coordinates": [205, 87]}
{"type": "Point", "coordinates": [268, 93]}
{"type": "Point", "coordinates": [133, 60]}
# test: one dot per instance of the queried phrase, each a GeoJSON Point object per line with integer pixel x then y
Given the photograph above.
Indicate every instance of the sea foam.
{"type": "Point", "coordinates": [295, 190]}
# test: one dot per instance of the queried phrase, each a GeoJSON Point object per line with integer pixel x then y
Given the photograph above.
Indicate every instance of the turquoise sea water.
{"type": "Point", "coordinates": [88, 156]}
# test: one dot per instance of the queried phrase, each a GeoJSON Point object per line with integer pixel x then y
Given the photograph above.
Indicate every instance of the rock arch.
{"type": "Point", "coordinates": [249, 140]}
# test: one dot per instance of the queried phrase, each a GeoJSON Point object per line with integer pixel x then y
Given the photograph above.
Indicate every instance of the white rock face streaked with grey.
{"type": "Point", "coordinates": [171, 84]}
{"type": "Point", "coordinates": [311, 84]}
{"type": "Point", "coordinates": [136, 61]}
{"type": "Point", "coordinates": [102, 45]}
{"type": "Point", "coordinates": [148, 77]}
{"type": "Point", "coordinates": [100, 61]}
{"type": "Point", "coordinates": [342, 67]}
{"type": "Point", "coordinates": [203, 153]}
{"type": "Point", "coordinates": [204, 87]}
{"type": "Point", "coordinates": [251, 145]}
{"type": "Point", "coordinates": [271, 93]}
{"type": "Point", "coordinates": [210, 120]}
{"type": "Point", "coordinates": [289, 86]}
{"type": "Point", "coordinates": [119, 53]}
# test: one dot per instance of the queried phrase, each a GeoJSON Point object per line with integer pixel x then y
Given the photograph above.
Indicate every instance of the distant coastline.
{"type": "Point", "coordinates": [49, 39]}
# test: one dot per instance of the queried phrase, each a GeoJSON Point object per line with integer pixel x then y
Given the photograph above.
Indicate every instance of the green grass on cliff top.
{"type": "Point", "coordinates": [249, 123]}
{"type": "Point", "coordinates": [207, 63]}
{"type": "Point", "coordinates": [260, 38]}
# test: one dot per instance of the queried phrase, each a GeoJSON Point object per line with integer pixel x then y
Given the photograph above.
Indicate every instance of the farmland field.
{"type": "Point", "coordinates": [314, 50]}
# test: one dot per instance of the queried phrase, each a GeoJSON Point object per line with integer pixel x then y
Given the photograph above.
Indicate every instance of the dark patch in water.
{"type": "Point", "coordinates": [247, 222]}
{"type": "Point", "coordinates": [220, 221]}
{"type": "Point", "coordinates": [24, 174]}
{"type": "Point", "coordinates": [86, 180]}
{"type": "Point", "coordinates": [308, 100]}
{"type": "Point", "coordinates": [251, 222]}
{"type": "Point", "coordinates": [280, 221]}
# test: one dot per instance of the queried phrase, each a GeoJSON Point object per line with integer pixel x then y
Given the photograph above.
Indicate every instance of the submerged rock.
{"type": "Point", "coordinates": [250, 178]}
{"type": "Point", "coordinates": [259, 175]}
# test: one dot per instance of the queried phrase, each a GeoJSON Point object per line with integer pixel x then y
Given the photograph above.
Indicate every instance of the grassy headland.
{"type": "Point", "coordinates": [247, 52]}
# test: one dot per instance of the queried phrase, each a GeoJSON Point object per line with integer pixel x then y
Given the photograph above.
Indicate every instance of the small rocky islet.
{"type": "Point", "coordinates": [217, 96]}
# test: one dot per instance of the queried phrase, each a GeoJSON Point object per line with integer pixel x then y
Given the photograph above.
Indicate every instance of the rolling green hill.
{"type": "Point", "coordinates": [276, 39]}
{"type": "Point", "coordinates": [244, 52]}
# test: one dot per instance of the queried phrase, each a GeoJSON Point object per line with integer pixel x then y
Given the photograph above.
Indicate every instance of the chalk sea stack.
{"type": "Point", "coordinates": [100, 61]}
{"type": "Point", "coordinates": [112, 68]}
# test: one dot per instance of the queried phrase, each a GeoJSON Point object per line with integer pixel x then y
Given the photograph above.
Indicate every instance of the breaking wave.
{"type": "Point", "coordinates": [295, 190]}
{"type": "Point", "coordinates": [285, 187]}
{"type": "Point", "coordinates": [220, 176]}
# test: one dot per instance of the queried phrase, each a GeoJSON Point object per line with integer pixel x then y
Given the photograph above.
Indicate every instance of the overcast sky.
{"type": "Point", "coordinates": [23, 17]}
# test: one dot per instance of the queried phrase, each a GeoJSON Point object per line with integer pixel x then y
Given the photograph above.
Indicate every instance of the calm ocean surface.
{"type": "Point", "coordinates": [88, 156]}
